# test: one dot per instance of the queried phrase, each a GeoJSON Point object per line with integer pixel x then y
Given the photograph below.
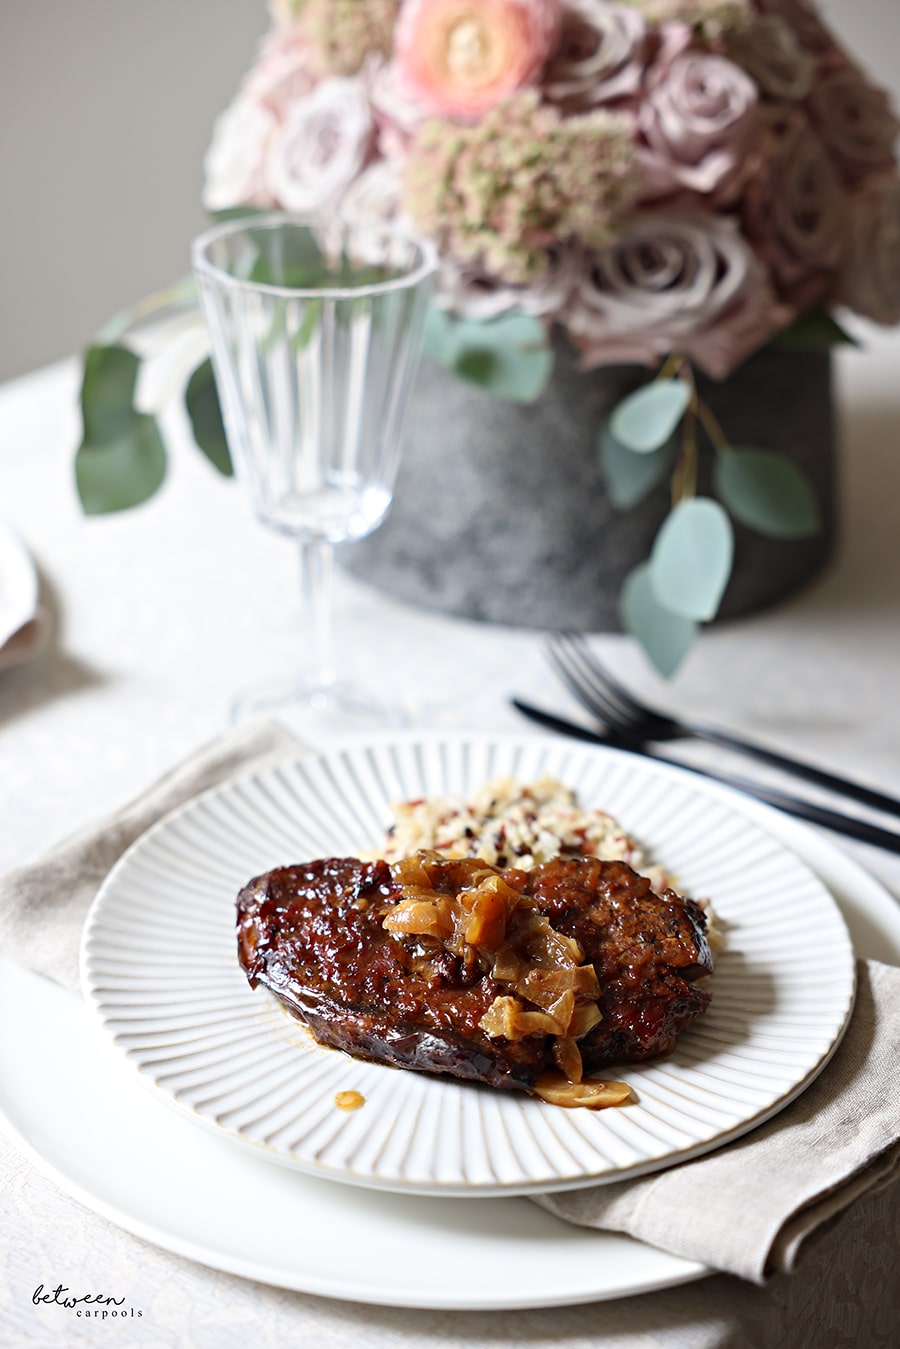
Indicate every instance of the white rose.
{"type": "Point", "coordinates": [475, 295]}
{"type": "Point", "coordinates": [321, 147]}
{"type": "Point", "coordinates": [235, 161]}
{"type": "Point", "coordinates": [375, 195]}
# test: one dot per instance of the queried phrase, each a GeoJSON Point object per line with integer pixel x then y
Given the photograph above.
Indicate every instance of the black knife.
{"type": "Point", "coordinates": [791, 805]}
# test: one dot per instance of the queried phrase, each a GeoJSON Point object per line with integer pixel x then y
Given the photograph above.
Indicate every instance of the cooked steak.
{"type": "Point", "coordinates": [487, 974]}
{"type": "Point", "coordinates": [647, 950]}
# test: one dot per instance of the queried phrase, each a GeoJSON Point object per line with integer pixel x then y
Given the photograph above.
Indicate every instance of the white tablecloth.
{"type": "Point", "coordinates": [163, 613]}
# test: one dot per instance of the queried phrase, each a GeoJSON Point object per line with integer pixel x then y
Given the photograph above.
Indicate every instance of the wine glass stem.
{"type": "Point", "coordinates": [316, 628]}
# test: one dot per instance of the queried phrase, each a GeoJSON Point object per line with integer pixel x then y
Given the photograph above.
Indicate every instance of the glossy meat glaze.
{"type": "Point", "coordinates": [313, 934]}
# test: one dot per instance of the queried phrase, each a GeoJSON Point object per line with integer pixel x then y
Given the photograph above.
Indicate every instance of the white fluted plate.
{"type": "Point", "coordinates": [160, 969]}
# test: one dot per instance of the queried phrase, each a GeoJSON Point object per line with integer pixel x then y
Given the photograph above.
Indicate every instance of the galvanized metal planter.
{"type": "Point", "coordinates": [501, 514]}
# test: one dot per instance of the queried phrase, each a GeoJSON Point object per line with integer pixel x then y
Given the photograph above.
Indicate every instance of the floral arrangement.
{"type": "Point", "coordinates": [673, 183]}
{"type": "Point", "coordinates": [651, 175]}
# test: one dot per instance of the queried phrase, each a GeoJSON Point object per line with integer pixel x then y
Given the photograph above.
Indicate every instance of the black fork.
{"type": "Point", "coordinates": [603, 696]}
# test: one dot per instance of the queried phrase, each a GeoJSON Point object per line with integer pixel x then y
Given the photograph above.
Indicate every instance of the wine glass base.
{"type": "Point", "coordinates": [333, 708]}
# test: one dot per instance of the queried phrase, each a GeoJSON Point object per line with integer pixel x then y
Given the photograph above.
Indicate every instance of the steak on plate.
{"type": "Point", "coordinates": [492, 975]}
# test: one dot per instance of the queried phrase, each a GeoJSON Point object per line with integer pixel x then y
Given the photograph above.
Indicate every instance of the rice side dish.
{"type": "Point", "coordinates": [511, 824]}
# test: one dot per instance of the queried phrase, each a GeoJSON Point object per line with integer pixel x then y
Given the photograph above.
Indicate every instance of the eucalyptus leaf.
{"type": "Point", "coordinates": [690, 563]}
{"type": "Point", "coordinates": [816, 330]}
{"type": "Point", "coordinates": [665, 637]}
{"type": "Point", "coordinates": [647, 418]}
{"type": "Point", "coordinates": [438, 337]}
{"type": "Point", "coordinates": [768, 492]}
{"type": "Point", "coordinates": [202, 402]}
{"type": "Point", "coordinates": [291, 257]}
{"type": "Point", "coordinates": [121, 472]}
{"type": "Point", "coordinates": [508, 356]}
{"type": "Point", "coordinates": [478, 365]}
{"type": "Point", "coordinates": [312, 315]}
{"type": "Point", "coordinates": [107, 392]}
{"type": "Point", "coordinates": [629, 477]}
{"type": "Point", "coordinates": [229, 213]}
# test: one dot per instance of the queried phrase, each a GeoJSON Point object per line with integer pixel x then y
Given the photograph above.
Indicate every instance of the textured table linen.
{"type": "Point", "coordinates": [163, 614]}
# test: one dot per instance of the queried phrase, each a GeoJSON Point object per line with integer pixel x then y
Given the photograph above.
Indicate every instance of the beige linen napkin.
{"type": "Point", "coordinates": [751, 1207]}
{"type": "Point", "coordinates": [747, 1209]}
{"type": "Point", "coordinates": [43, 906]}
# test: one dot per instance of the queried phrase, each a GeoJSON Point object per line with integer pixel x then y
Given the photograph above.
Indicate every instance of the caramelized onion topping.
{"type": "Point", "coordinates": [479, 914]}
{"type": "Point", "coordinates": [557, 1090]}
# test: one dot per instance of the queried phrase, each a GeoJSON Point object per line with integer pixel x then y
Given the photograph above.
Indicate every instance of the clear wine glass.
{"type": "Point", "coordinates": [316, 329]}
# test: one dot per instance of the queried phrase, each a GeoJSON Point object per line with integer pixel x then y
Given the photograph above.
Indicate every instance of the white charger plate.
{"type": "Point", "coordinates": [160, 971]}
{"type": "Point", "coordinates": [198, 1196]}
{"type": "Point", "coordinates": [134, 1161]}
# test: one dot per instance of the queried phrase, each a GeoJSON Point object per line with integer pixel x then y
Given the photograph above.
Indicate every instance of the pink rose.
{"type": "Point", "coordinates": [795, 212]}
{"type": "Point", "coordinates": [321, 147]}
{"type": "Point", "coordinates": [600, 56]}
{"type": "Point", "coordinates": [397, 116]}
{"type": "Point", "coordinates": [473, 294]}
{"type": "Point", "coordinates": [870, 282]}
{"type": "Point", "coordinates": [684, 282]}
{"type": "Point", "coordinates": [375, 195]}
{"type": "Point", "coordinates": [235, 161]}
{"type": "Point", "coordinates": [282, 74]}
{"type": "Point", "coordinates": [855, 121]}
{"type": "Point", "coordinates": [699, 120]}
{"type": "Point", "coordinates": [461, 57]}
{"type": "Point", "coordinates": [801, 17]}
{"type": "Point", "coordinates": [770, 51]}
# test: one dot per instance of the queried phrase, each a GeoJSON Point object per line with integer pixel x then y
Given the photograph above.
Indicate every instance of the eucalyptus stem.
{"type": "Point", "coordinates": [684, 479]}
{"type": "Point", "coordinates": [691, 453]}
{"type": "Point", "coordinates": [712, 427]}
{"type": "Point", "coordinates": [671, 366]}
{"type": "Point", "coordinates": [180, 295]}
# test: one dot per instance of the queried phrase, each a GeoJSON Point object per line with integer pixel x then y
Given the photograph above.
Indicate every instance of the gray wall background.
{"type": "Point", "coordinates": [106, 108]}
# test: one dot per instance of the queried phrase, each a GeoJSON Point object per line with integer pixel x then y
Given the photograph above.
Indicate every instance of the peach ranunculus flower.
{"type": "Point", "coordinates": [459, 58]}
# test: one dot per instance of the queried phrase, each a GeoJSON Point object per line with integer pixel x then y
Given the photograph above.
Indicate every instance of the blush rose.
{"type": "Point", "coordinates": [699, 119]}
{"type": "Point", "coordinates": [601, 54]}
{"type": "Point", "coordinates": [685, 282]}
